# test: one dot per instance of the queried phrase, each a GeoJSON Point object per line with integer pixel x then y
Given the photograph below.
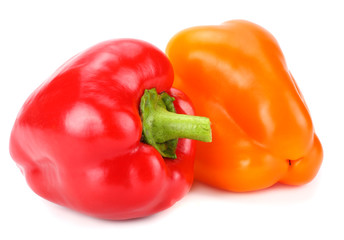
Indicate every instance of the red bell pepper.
{"type": "Point", "coordinates": [81, 138]}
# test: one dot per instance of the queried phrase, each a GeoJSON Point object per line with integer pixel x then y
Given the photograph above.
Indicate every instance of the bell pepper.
{"type": "Point", "coordinates": [97, 137]}
{"type": "Point", "coordinates": [262, 129]}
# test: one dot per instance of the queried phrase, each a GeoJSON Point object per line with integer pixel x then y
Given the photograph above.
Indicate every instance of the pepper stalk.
{"type": "Point", "coordinates": [162, 126]}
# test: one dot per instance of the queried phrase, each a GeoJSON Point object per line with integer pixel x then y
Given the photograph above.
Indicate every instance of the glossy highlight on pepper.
{"type": "Point", "coordinates": [77, 138]}
{"type": "Point", "coordinates": [262, 130]}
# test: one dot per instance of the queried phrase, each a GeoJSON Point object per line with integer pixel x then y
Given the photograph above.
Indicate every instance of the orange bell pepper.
{"type": "Point", "coordinates": [262, 130]}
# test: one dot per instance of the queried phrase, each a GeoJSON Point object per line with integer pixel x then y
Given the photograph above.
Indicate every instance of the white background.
{"type": "Point", "coordinates": [38, 36]}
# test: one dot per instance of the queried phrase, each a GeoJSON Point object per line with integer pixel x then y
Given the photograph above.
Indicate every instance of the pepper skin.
{"type": "Point", "coordinates": [262, 130]}
{"type": "Point", "coordinates": [77, 138]}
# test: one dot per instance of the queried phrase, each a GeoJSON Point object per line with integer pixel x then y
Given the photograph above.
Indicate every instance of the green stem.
{"type": "Point", "coordinates": [162, 126]}
{"type": "Point", "coordinates": [169, 126]}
